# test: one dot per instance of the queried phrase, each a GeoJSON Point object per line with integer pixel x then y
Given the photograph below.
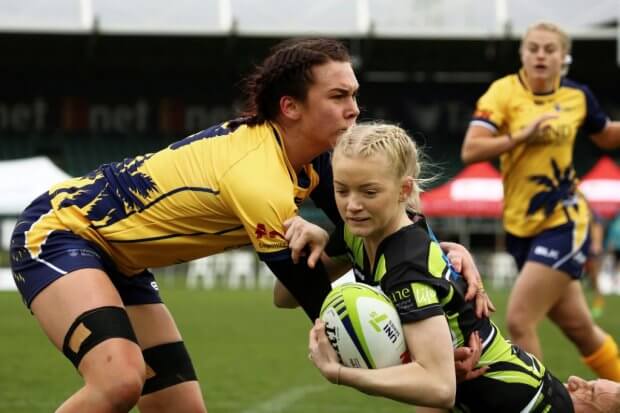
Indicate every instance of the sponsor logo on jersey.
{"type": "Point", "coordinates": [403, 300]}
{"type": "Point", "coordinates": [154, 285]}
{"type": "Point", "coordinates": [261, 231]}
{"type": "Point", "coordinates": [269, 238]}
{"type": "Point", "coordinates": [424, 294]}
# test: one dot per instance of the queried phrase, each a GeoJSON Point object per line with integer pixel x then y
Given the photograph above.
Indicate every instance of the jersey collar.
{"type": "Point", "coordinates": [524, 82]}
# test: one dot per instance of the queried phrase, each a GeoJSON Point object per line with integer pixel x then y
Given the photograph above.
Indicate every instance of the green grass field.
{"type": "Point", "coordinates": [249, 356]}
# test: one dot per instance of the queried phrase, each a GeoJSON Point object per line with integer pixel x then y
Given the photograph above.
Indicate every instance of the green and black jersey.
{"type": "Point", "coordinates": [412, 270]}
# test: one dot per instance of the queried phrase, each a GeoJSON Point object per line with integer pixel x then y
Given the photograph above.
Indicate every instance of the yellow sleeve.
{"type": "Point", "coordinates": [490, 108]}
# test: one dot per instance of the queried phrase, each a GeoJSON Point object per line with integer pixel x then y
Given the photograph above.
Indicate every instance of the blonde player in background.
{"type": "Point", "coordinates": [530, 120]}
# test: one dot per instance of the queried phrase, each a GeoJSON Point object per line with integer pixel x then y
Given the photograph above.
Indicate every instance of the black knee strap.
{"type": "Point", "coordinates": [167, 365]}
{"type": "Point", "coordinates": [93, 327]}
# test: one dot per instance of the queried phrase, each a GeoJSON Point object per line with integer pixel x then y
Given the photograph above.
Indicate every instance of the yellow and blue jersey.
{"type": "Point", "coordinates": [540, 184]}
{"type": "Point", "coordinates": [225, 187]}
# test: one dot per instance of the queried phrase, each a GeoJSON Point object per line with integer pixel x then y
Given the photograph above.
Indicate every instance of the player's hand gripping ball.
{"type": "Point", "coordinates": [363, 327]}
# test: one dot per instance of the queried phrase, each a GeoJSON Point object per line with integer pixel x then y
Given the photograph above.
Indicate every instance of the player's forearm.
{"type": "Point", "coordinates": [335, 268]}
{"type": "Point", "coordinates": [282, 298]}
{"type": "Point", "coordinates": [608, 138]}
{"type": "Point", "coordinates": [409, 383]}
{"type": "Point", "coordinates": [484, 148]}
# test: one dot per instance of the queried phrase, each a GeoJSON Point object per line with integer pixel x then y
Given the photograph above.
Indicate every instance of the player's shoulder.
{"type": "Point", "coordinates": [417, 240]}
{"type": "Point", "coordinates": [509, 81]}
{"type": "Point", "coordinates": [417, 232]}
{"type": "Point", "coordinates": [567, 83]}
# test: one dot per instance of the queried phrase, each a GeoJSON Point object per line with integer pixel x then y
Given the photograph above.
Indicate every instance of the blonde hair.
{"type": "Point", "coordinates": [565, 41]}
{"type": "Point", "coordinates": [368, 139]}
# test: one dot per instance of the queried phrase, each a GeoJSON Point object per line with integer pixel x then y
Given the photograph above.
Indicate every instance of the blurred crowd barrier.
{"type": "Point", "coordinates": [241, 269]}
{"type": "Point", "coordinates": [233, 270]}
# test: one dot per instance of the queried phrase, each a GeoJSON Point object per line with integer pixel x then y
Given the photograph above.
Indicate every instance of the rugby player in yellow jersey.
{"type": "Point", "coordinates": [530, 120]}
{"type": "Point", "coordinates": [80, 252]}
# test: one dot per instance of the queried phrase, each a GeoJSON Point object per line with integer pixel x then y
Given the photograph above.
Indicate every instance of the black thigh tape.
{"type": "Point", "coordinates": [167, 365]}
{"type": "Point", "coordinates": [93, 327]}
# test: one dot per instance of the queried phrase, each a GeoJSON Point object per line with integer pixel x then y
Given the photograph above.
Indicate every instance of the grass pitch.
{"type": "Point", "coordinates": [249, 356]}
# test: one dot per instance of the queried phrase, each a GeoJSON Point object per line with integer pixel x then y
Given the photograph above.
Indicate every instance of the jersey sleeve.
{"type": "Point", "coordinates": [595, 120]}
{"type": "Point", "coordinates": [490, 109]}
{"type": "Point", "coordinates": [415, 283]}
{"type": "Point", "coordinates": [413, 296]}
{"type": "Point", "coordinates": [262, 205]}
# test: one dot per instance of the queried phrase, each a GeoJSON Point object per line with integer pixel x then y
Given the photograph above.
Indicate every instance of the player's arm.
{"type": "Point", "coordinates": [306, 240]}
{"type": "Point", "coordinates": [298, 282]}
{"type": "Point", "coordinates": [463, 262]}
{"type": "Point", "coordinates": [282, 298]}
{"type": "Point", "coordinates": [597, 234]}
{"type": "Point", "coordinates": [609, 137]}
{"type": "Point", "coordinates": [262, 217]}
{"type": "Point", "coordinates": [429, 380]}
{"type": "Point", "coordinates": [482, 143]}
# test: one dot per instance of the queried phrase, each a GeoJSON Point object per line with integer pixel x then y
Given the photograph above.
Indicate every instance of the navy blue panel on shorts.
{"type": "Point", "coordinates": [553, 247]}
{"type": "Point", "coordinates": [64, 252]}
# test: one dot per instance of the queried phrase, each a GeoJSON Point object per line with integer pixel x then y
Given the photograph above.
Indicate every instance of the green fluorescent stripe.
{"type": "Point", "coordinates": [424, 294]}
{"type": "Point", "coordinates": [498, 350]}
{"type": "Point", "coordinates": [513, 377]}
{"type": "Point", "coordinates": [356, 245]}
{"type": "Point", "coordinates": [448, 297]}
{"type": "Point", "coordinates": [436, 264]}
{"type": "Point", "coordinates": [381, 269]}
{"type": "Point", "coordinates": [457, 335]}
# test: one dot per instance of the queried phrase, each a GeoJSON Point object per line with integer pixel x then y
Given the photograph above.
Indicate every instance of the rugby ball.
{"type": "Point", "coordinates": [363, 327]}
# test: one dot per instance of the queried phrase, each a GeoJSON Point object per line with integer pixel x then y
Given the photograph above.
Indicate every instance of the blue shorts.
{"type": "Point", "coordinates": [558, 248]}
{"type": "Point", "coordinates": [63, 252]}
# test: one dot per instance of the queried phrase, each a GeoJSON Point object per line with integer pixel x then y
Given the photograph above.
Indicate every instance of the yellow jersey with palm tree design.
{"type": "Point", "coordinates": [540, 183]}
{"type": "Point", "coordinates": [218, 189]}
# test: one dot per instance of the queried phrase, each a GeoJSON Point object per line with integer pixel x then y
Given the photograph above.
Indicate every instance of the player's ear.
{"type": "Point", "coordinates": [406, 188]}
{"type": "Point", "coordinates": [290, 107]}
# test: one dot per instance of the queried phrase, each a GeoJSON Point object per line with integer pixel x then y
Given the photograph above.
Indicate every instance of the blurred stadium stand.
{"type": "Point", "coordinates": [92, 81]}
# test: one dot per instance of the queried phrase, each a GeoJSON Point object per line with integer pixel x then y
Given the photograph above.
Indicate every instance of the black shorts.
{"type": "Point", "coordinates": [561, 248]}
{"type": "Point", "coordinates": [36, 266]}
{"type": "Point", "coordinates": [515, 382]}
{"type": "Point", "coordinates": [483, 395]}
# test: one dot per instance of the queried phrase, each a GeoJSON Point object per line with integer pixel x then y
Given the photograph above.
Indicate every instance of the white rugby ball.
{"type": "Point", "coordinates": [363, 327]}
